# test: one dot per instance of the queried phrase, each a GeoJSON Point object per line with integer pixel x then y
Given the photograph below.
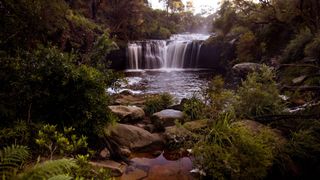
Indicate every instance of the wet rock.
{"type": "Point", "coordinates": [167, 118]}
{"type": "Point", "coordinates": [135, 173]}
{"type": "Point", "coordinates": [157, 153]}
{"type": "Point", "coordinates": [128, 113]}
{"type": "Point", "coordinates": [243, 69]}
{"type": "Point", "coordinates": [125, 152]}
{"type": "Point", "coordinates": [134, 138]}
{"type": "Point", "coordinates": [105, 153]}
{"type": "Point", "coordinates": [130, 100]}
{"type": "Point", "coordinates": [117, 169]}
{"type": "Point", "coordinates": [176, 136]}
{"type": "Point", "coordinates": [299, 79]}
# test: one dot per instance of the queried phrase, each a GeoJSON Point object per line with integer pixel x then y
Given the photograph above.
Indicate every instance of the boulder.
{"type": "Point", "coordinates": [196, 126]}
{"type": "Point", "coordinates": [128, 113]}
{"type": "Point", "coordinates": [166, 118]}
{"type": "Point", "coordinates": [105, 153]}
{"type": "Point", "coordinates": [175, 136]}
{"type": "Point", "coordinates": [126, 99]}
{"type": "Point", "coordinates": [116, 169]}
{"type": "Point", "coordinates": [134, 138]}
{"type": "Point", "coordinates": [243, 69]}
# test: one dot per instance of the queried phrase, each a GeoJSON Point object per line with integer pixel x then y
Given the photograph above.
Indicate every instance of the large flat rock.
{"type": "Point", "coordinates": [128, 113]}
{"type": "Point", "coordinates": [167, 118]}
{"type": "Point", "coordinates": [134, 138]}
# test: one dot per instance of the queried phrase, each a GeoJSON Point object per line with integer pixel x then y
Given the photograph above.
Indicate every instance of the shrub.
{"type": "Point", "coordinates": [246, 47]}
{"type": "Point", "coordinates": [258, 94]}
{"type": "Point", "coordinates": [46, 85]}
{"type": "Point", "coordinates": [312, 49]}
{"type": "Point", "coordinates": [158, 102]}
{"type": "Point", "coordinates": [230, 151]}
{"type": "Point", "coordinates": [295, 49]}
{"type": "Point", "coordinates": [194, 108]}
{"type": "Point", "coordinates": [217, 98]}
{"type": "Point", "coordinates": [64, 143]}
{"type": "Point", "coordinates": [304, 150]}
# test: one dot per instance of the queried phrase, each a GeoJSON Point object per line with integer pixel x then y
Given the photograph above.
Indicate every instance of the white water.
{"type": "Point", "coordinates": [180, 51]}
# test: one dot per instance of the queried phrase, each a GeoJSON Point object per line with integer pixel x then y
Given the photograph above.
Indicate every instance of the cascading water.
{"type": "Point", "coordinates": [180, 51]}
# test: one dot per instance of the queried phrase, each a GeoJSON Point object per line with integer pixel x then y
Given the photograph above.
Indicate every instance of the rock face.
{"type": "Point", "coordinates": [166, 118]}
{"type": "Point", "coordinates": [245, 68]}
{"type": "Point", "coordinates": [134, 138]}
{"type": "Point", "coordinates": [128, 113]}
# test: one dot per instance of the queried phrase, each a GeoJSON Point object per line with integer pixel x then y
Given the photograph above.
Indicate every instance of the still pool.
{"type": "Point", "coordinates": [181, 83]}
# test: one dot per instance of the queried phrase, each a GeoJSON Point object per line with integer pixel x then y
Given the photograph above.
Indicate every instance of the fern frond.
{"type": "Point", "coordinates": [61, 177]}
{"type": "Point", "coordinates": [50, 169]}
{"type": "Point", "coordinates": [12, 158]}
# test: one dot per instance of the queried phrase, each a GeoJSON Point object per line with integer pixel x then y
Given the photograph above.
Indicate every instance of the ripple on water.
{"type": "Point", "coordinates": [181, 84]}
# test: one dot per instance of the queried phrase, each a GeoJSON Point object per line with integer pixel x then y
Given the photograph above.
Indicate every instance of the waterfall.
{"type": "Point", "coordinates": [180, 51]}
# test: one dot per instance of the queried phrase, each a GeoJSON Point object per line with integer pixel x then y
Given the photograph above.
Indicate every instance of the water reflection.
{"type": "Point", "coordinates": [180, 83]}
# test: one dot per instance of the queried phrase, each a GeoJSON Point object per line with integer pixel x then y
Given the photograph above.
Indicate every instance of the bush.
{"type": "Point", "coordinates": [157, 103]}
{"type": "Point", "coordinates": [258, 94]}
{"type": "Point", "coordinates": [218, 99]}
{"type": "Point", "coordinates": [63, 143]}
{"type": "Point", "coordinates": [232, 151]}
{"type": "Point", "coordinates": [304, 150]}
{"type": "Point", "coordinates": [295, 49]}
{"type": "Point", "coordinates": [47, 86]}
{"type": "Point", "coordinates": [313, 48]}
{"type": "Point", "coordinates": [194, 108]}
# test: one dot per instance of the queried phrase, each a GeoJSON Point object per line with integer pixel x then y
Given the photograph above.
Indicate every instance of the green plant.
{"type": "Point", "coordinates": [218, 99]}
{"type": "Point", "coordinates": [295, 49]}
{"type": "Point", "coordinates": [87, 171]}
{"type": "Point", "coordinates": [259, 95]}
{"type": "Point", "coordinates": [312, 49]}
{"type": "Point", "coordinates": [231, 151]}
{"type": "Point", "coordinates": [47, 85]}
{"type": "Point", "coordinates": [158, 102]}
{"type": "Point", "coordinates": [12, 159]}
{"type": "Point", "coordinates": [50, 169]}
{"type": "Point", "coordinates": [194, 108]}
{"type": "Point", "coordinates": [66, 143]}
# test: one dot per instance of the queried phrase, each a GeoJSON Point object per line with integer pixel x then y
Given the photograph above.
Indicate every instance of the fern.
{"type": "Point", "coordinates": [50, 169]}
{"type": "Point", "coordinates": [61, 177]}
{"type": "Point", "coordinates": [11, 159]}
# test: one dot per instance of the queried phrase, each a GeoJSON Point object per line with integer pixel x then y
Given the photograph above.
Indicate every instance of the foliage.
{"type": "Point", "coordinates": [259, 95]}
{"type": "Point", "coordinates": [66, 142]}
{"type": "Point", "coordinates": [12, 159]}
{"type": "Point", "coordinates": [218, 99]}
{"type": "Point", "coordinates": [87, 171]}
{"type": "Point", "coordinates": [26, 23]}
{"type": "Point", "coordinates": [46, 85]}
{"type": "Point", "coordinates": [304, 149]}
{"type": "Point", "coordinates": [312, 49]}
{"type": "Point", "coordinates": [295, 49]}
{"type": "Point", "coordinates": [246, 47]}
{"type": "Point", "coordinates": [231, 151]}
{"type": "Point", "coordinates": [194, 108]}
{"type": "Point", "coordinates": [158, 102]}
{"type": "Point", "coordinates": [50, 169]}
{"type": "Point", "coordinates": [19, 133]}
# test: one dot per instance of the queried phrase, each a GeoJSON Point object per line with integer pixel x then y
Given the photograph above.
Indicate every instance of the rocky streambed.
{"type": "Point", "coordinates": [151, 143]}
